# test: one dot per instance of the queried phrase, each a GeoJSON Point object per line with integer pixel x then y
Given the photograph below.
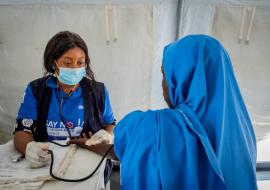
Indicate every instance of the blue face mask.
{"type": "Point", "coordinates": [71, 76]}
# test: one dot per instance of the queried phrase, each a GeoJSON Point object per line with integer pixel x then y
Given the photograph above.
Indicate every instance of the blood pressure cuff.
{"type": "Point", "coordinates": [28, 125]}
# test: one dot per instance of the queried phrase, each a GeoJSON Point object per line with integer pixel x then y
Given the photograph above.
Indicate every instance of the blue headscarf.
{"type": "Point", "coordinates": [206, 141]}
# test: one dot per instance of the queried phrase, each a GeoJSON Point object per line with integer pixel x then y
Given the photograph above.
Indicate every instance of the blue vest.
{"type": "Point", "coordinates": [93, 101]}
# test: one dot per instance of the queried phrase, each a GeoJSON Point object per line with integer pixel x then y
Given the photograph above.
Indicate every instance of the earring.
{"type": "Point", "coordinates": [54, 74]}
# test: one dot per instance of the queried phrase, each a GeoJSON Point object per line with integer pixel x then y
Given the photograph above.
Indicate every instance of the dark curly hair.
{"type": "Point", "coordinates": [61, 43]}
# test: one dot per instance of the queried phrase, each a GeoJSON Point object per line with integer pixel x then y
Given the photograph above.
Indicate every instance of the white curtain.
{"type": "Point", "coordinates": [243, 27]}
{"type": "Point", "coordinates": [125, 41]}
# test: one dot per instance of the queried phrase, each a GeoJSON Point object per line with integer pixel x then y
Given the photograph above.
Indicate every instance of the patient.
{"type": "Point", "coordinates": [204, 140]}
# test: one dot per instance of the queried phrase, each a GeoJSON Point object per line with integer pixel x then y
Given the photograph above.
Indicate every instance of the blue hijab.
{"type": "Point", "coordinates": [205, 141]}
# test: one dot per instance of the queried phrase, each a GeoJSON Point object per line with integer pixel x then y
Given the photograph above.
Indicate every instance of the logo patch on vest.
{"type": "Point", "coordinates": [69, 125]}
{"type": "Point", "coordinates": [27, 122]}
{"type": "Point", "coordinates": [80, 107]}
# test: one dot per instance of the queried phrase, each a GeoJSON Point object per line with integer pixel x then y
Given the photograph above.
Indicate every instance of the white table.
{"type": "Point", "coordinates": [77, 163]}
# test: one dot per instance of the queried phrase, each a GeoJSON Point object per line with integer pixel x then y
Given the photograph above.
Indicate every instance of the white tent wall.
{"type": "Point", "coordinates": [125, 41]}
{"type": "Point", "coordinates": [165, 27]}
{"type": "Point", "coordinates": [243, 27]}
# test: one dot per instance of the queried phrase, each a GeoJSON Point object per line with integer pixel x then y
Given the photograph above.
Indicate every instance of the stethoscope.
{"type": "Point", "coordinates": [70, 137]}
{"type": "Point", "coordinates": [61, 112]}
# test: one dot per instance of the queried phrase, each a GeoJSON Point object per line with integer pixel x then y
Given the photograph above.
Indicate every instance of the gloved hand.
{"type": "Point", "coordinates": [100, 137]}
{"type": "Point", "coordinates": [36, 154]}
{"type": "Point", "coordinates": [80, 141]}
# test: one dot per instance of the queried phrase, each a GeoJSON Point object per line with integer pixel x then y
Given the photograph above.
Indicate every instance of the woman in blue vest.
{"type": "Point", "coordinates": [204, 140]}
{"type": "Point", "coordinates": [66, 102]}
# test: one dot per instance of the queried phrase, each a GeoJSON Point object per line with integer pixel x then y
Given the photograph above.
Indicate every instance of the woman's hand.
{"type": "Point", "coordinates": [37, 155]}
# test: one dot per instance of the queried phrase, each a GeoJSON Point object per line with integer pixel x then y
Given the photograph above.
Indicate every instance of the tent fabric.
{"type": "Point", "coordinates": [91, 2]}
{"type": "Point", "coordinates": [242, 26]}
{"type": "Point", "coordinates": [155, 24]}
{"type": "Point", "coordinates": [115, 22]}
